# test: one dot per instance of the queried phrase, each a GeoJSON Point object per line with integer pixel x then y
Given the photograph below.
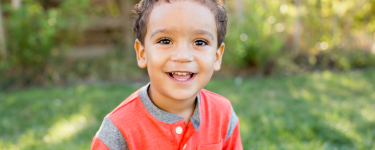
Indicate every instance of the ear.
{"type": "Point", "coordinates": [219, 57]}
{"type": "Point", "coordinates": [141, 54]}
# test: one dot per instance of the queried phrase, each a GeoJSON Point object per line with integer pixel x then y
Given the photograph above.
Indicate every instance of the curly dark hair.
{"type": "Point", "coordinates": [144, 8]}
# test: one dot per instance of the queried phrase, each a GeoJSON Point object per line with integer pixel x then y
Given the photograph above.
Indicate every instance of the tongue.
{"type": "Point", "coordinates": [176, 76]}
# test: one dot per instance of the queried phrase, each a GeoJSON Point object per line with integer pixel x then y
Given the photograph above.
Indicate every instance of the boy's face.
{"type": "Point", "coordinates": [180, 48]}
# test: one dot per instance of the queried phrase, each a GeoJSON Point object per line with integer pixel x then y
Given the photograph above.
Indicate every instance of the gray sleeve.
{"type": "Point", "coordinates": [111, 136]}
{"type": "Point", "coordinates": [232, 124]}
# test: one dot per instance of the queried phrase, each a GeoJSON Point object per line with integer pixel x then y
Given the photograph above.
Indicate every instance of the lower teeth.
{"type": "Point", "coordinates": [181, 79]}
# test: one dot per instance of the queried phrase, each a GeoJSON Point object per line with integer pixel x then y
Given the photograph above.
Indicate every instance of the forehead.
{"type": "Point", "coordinates": [181, 16]}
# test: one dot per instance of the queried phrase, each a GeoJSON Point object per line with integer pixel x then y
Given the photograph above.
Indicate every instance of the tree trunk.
{"type": "Point", "coordinates": [334, 27]}
{"type": "Point", "coordinates": [239, 9]}
{"type": "Point", "coordinates": [128, 38]}
{"type": "Point", "coordinates": [297, 28]}
{"type": "Point", "coordinates": [16, 4]}
{"type": "Point", "coordinates": [3, 49]}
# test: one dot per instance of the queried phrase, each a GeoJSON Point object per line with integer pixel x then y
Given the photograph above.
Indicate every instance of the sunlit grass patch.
{"type": "Point", "coordinates": [322, 110]}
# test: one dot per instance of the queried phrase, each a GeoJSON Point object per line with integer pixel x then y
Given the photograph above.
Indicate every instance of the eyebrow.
{"type": "Point", "coordinates": [203, 32]}
{"type": "Point", "coordinates": [164, 30]}
{"type": "Point", "coordinates": [197, 31]}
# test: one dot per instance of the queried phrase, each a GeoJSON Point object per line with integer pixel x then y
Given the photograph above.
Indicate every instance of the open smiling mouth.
{"type": "Point", "coordinates": [181, 77]}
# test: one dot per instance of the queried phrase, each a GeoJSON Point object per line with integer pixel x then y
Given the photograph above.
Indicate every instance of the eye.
{"type": "Point", "coordinates": [165, 41]}
{"type": "Point", "coordinates": [200, 42]}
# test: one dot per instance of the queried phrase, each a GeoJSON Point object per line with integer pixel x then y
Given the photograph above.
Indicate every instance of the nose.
{"type": "Point", "coordinates": [182, 54]}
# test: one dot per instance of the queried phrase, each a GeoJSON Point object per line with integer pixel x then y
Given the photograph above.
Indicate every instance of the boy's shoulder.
{"type": "Point", "coordinates": [126, 105]}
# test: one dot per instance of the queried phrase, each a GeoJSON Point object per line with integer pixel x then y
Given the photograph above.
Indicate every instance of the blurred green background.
{"type": "Point", "coordinates": [299, 73]}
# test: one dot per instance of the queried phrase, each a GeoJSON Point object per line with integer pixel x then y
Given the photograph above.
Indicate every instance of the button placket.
{"type": "Point", "coordinates": [189, 131]}
{"type": "Point", "coordinates": [178, 130]}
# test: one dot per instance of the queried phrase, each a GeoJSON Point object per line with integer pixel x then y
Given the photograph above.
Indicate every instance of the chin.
{"type": "Point", "coordinates": [182, 95]}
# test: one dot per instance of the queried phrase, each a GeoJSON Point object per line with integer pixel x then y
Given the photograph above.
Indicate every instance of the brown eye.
{"type": "Point", "coordinates": [165, 41]}
{"type": "Point", "coordinates": [200, 42]}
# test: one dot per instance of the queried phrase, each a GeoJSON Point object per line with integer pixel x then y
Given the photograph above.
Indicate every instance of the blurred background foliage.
{"type": "Point", "coordinates": [65, 43]}
{"type": "Point", "coordinates": [34, 37]}
{"type": "Point", "coordinates": [286, 37]}
{"type": "Point", "coordinates": [59, 42]}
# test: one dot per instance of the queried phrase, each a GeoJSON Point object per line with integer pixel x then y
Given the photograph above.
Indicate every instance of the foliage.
{"type": "Point", "coordinates": [37, 37]}
{"type": "Point", "coordinates": [322, 110]}
{"type": "Point", "coordinates": [251, 40]}
{"type": "Point", "coordinates": [262, 38]}
{"type": "Point", "coordinates": [333, 35]}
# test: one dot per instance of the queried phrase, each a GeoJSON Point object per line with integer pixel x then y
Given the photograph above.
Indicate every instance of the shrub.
{"type": "Point", "coordinates": [36, 37]}
{"type": "Point", "coordinates": [252, 41]}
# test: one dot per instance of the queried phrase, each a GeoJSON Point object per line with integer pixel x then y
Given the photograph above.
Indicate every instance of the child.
{"type": "Point", "coordinates": [181, 44]}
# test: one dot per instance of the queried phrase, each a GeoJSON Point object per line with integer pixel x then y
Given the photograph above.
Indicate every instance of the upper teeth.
{"type": "Point", "coordinates": [181, 73]}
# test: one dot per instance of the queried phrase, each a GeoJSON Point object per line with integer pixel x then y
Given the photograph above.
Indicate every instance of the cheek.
{"type": "Point", "coordinates": [207, 56]}
{"type": "Point", "coordinates": [155, 57]}
{"type": "Point", "coordinates": [206, 61]}
{"type": "Point", "coordinates": [157, 61]}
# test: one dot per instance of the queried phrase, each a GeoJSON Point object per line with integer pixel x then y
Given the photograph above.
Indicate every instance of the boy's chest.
{"type": "Point", "coordinates": [146, 127]}
{"type": "Point", "coordinates": [156, 135]}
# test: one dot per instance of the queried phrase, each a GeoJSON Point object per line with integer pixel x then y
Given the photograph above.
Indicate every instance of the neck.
{"type": "Point", "coordinates": [184, 108]}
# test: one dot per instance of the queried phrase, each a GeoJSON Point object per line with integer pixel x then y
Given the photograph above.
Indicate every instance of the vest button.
{"type": "Point", "coordinates": [178, 130]}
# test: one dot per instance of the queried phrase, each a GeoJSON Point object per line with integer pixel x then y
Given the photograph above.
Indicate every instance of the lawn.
{"type": "Point", "coordinates": [323, 110]}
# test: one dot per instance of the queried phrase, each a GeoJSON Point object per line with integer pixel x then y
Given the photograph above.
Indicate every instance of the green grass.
{"type": "Point", "coordinates": [315, 111]}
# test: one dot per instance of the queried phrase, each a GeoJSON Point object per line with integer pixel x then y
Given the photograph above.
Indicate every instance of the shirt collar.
{"type": "Point", "coordinates": [166, 116]}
